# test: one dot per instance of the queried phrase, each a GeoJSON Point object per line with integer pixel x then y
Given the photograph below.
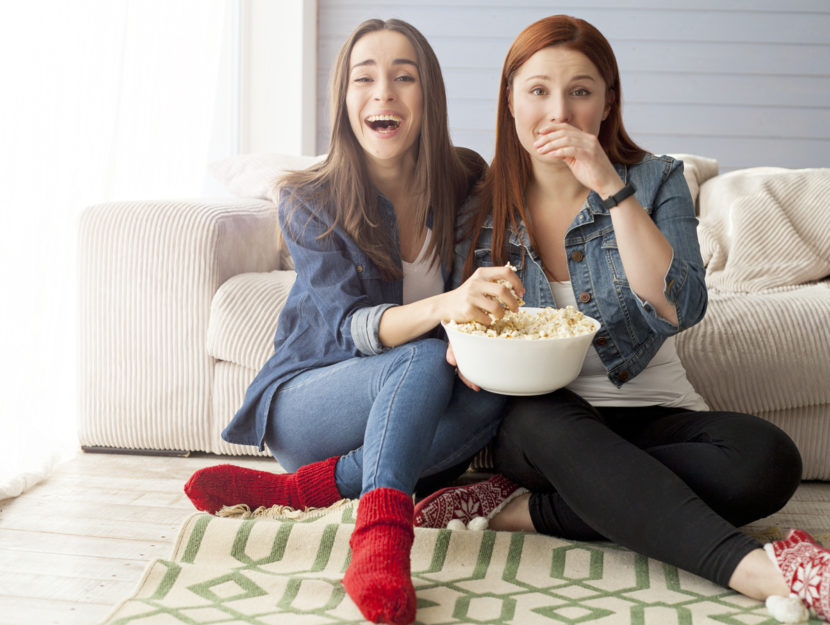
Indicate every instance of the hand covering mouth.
{"type": "Point", "coordinates": [384, 122]}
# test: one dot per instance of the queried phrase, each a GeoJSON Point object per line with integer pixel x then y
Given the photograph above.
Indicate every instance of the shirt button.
{"type": "Point", "coordinates": [601, 340]}
{"type": "Point", "coordinates": [577, 256]}
{"type": "Point", "coordinates": [584, 297]}
{"type": "Point", "coordinates": [359, 268]}
{"type": "Point", "coordinates": [623, 375]}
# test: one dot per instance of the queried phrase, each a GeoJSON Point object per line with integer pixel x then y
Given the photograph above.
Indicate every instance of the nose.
{"type": "Point", "coordinates": [559, 110]}
{"type": "Point", "coordinates": [384, 90]}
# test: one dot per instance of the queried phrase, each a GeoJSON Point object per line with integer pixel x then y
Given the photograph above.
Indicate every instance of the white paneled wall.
{"type": "Point", "coordinates": [743, 81]}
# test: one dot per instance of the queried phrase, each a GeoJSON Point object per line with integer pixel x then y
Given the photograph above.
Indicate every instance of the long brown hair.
{"type": "Point", "coordinates": [510, 172]}
{"type": "Point", "coordinates": [443, 175]}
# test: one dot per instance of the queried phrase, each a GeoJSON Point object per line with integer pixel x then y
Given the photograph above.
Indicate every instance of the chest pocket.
{"type": "Point", "coordinates": [484, 257]}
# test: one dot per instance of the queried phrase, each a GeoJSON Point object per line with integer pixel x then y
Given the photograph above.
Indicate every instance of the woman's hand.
{"type": "Point", "coordinates": [583, 154]}
{"type": "Point", "coordinates": [481, 295]}
{"type": "Point", "coordinates": [454, 363]}
{"type": "Point", "coordinates": [472, 301]}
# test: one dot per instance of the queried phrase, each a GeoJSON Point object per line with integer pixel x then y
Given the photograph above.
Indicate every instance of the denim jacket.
{"type": "Point", "coordinates": [631, 331]}
{"type": "Point", "coordinates": [332, 312]}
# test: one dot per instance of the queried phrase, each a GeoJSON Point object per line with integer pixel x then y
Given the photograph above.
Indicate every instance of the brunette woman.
{"type": "Point", "coordinates": [358, 400]}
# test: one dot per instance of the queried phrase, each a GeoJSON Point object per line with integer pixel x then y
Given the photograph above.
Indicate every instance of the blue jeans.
{"type": "Point", "coordinates": [392, 418]}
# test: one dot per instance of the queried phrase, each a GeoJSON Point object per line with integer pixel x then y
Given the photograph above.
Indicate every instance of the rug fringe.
{"type": "Point", "coordinates": [278, 513]}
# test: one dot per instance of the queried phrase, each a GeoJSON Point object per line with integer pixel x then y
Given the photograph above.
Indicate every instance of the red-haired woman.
{"type": "Point", "coordinates": [629, 451]}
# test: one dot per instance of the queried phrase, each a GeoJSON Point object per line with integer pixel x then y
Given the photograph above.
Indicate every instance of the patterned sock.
{"type": "Point", "coordinates": [465, 503]}
{"type": "Point", "coordinates": [805, 566]}
{"type": "Point", "coordinates": [378, 578]}
{"type": "Point", "coordinates": [226, 485]}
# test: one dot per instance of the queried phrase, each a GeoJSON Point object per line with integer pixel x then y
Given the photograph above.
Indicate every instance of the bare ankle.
{"type": "Point", "coordinates": [757, 577]}
{"type": "Point", "coordinates": [514, 517]}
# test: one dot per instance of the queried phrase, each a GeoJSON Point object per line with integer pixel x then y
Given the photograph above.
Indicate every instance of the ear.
{"type": "Point", "coordinates": [610, 98]}
{"type": "Point", "coordinates": [510, 101]}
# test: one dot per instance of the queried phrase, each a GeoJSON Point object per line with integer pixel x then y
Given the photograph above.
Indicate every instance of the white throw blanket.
{"type": "Point", "coordinates": [765, 227]}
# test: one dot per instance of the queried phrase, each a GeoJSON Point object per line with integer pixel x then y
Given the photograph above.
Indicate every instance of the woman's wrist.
{"type": "Point", "coordinates": [610, 187]}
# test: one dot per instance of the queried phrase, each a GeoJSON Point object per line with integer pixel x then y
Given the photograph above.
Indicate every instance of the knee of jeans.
{"type": "Point", "coordinates": [431, 349]}
{"type": "Point", "coordinates": [429, 354]}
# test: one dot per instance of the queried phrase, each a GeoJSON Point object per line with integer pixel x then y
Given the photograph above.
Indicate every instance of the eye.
{"type": "Point", "coordinates": [362, 79]}
{"type": "Point", "coordinates": [580, 92]}
{"type": "Point", "coordinates": [537, 91]}
{"type": "Point", "coordinates": [405, 78]}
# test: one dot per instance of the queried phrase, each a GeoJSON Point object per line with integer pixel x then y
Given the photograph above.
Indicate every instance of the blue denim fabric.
{"type": "Point", "coordinates": [631, 331]}
{"type": "Point", "coordinates": [392, 418]}
{"type": "Point", "coordinates": [332, 313]}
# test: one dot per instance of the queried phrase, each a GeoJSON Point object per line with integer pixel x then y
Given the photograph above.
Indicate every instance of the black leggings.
{"type": "Point", "coordinates": [665, 482]}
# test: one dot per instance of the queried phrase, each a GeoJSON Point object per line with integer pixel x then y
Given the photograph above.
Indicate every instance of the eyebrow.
{"type": "Point", "coordinates": [395, 62]}
{"type": "Point", "coordinates": [546, 77]}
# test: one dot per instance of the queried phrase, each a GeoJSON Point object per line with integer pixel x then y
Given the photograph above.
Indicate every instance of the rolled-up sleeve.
{"type": "Point", "coordinates": [365, 327]}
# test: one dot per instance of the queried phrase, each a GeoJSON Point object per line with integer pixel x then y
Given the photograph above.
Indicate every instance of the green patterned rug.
{"type": "Point", "coordinates": [287, 572]}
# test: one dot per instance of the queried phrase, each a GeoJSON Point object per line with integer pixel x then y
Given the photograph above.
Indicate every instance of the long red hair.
{"type": "Point", "coordinates": [503, 189]}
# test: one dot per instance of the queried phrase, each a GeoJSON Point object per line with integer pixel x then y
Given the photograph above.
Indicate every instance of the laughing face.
{"type": "Point", "coordinates": [384, 98]}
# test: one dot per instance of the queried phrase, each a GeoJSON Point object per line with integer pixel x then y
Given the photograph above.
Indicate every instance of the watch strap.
{"type": "Point", "coordinates": [612, 200]}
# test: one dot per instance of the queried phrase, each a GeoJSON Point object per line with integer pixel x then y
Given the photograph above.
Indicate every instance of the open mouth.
{"type": "Point", "coordinates": [384, 123]}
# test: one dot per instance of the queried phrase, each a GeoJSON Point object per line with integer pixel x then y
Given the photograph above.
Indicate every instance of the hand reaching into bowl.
{"type": "Point", "coordinates": [484, 296]}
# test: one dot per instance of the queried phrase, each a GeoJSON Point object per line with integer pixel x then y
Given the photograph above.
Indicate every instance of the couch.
{"type": "Point", "coordinates": [179, 300]}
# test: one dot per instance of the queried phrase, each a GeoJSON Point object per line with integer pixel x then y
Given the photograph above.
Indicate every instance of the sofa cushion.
{"type": "Point", "coordinates": [765, 227]}
{"type": "Point", "coordinates": [763, 351]}
{"type": "Point", "coordinates": [257, 176]}
{"type": "Point", "coordinates": [243, 317]}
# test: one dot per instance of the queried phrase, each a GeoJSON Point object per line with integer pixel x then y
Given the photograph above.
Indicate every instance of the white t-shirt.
{"type": "Point", "coordinates": [419, 279]}
{"type": "Point", "coordinates": [663, 382]}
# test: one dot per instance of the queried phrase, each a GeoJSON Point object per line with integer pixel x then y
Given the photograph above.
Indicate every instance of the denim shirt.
{"type": "Point", "coordinates": [332, 312]}
{"type": "Point", "coordinates": [631, 331]}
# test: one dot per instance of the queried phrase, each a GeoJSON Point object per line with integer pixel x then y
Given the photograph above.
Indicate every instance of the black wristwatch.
{"type": "Point", "coordinates": [619, 196]}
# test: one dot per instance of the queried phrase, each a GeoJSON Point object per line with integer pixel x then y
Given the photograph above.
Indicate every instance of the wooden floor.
{"type": "Point", "coordinates": [74, 546]}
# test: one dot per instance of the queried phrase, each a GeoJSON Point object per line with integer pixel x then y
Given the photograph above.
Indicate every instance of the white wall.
{"type": "Point", "coordinates": [743, 81]}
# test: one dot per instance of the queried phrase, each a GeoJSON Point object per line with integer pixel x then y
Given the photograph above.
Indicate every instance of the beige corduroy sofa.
{"type": "Point", "coordinates": [179, 301]}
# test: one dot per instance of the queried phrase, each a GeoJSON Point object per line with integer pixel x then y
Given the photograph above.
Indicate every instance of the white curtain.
{"type": "Point", "coordinates": [103, 100]}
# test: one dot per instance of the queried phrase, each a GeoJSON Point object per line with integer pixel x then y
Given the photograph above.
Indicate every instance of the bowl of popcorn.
{"type": "Point", "coordinates": [530, 352]}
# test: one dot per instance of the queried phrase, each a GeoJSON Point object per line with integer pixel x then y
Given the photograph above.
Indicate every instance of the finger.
{"type": "Point", "coordinates": [491, 274]}
{"type": "Point", "coordinates": [493, 299]}
{"type": "Point", "coordinates": [554, 127]}
{"type": "Point", "coordinates": [558, 141]}
{"type": "Point", "coordinates": [451, 356]}
{"type": "Point", "coordinates": [487, 283]}
{"type": "Point", "coordinates": [474, 387]}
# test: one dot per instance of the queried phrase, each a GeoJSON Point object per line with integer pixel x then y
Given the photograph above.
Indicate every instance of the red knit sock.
{"type": "Point", "coordinates": [378, 578]}
{"type": "Point", "coordinates": [226, 485]}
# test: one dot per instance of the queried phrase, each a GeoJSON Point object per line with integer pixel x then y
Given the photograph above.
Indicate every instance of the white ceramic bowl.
{"type": "Point", "coordinates": [520, 366]}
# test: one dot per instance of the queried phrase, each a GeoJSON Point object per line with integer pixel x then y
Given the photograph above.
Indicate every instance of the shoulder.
{"type": "Point", "coordinates": [655, 167]}
{"type": "Point", "coordinates": [302, 213]}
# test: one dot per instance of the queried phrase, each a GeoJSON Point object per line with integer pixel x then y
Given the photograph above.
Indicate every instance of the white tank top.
{"type": "Point", "coordinates": [419, 279]}
{"type": "Point", "coordinates": [663, 382]}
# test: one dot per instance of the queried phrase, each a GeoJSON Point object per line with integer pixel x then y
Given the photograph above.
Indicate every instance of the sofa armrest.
{"type": "Point", "coordinates": [147, 272]}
